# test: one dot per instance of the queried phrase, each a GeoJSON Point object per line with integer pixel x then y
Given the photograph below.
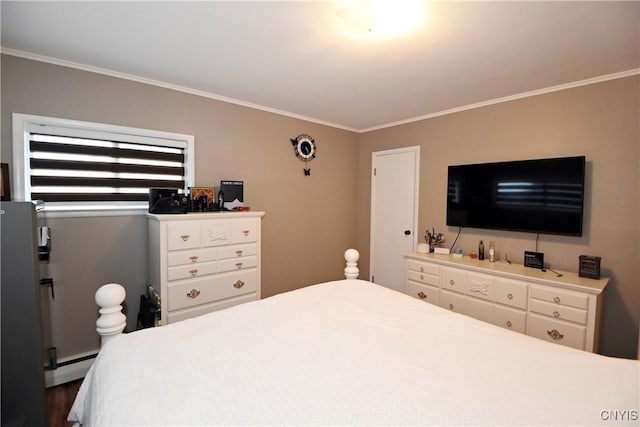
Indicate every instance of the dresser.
{"type": "Point", "coordinates": [563, 310]}
{"type": "Point", "coordinates": [202, 262]}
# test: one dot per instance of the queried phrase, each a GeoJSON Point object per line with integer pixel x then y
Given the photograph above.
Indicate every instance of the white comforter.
{"type": "Point", "coordinates": [350, 353]}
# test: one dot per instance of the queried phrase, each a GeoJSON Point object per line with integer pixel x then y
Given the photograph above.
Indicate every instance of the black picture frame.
{"type": "Point", "coordinates": [5, 184]}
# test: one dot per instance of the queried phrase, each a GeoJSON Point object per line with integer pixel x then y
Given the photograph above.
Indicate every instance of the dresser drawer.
{"type": "Point", "coordinates": [556, 331]}
{"type": "Point", "coordinates": [211, 288]}
{"type": "Point", "coordinates": [509, 318]}
{"type": "Point", "coordinates": [479, 309]}
{"type": "Point", "coordinates": [454, 280]}
{"type": "Point", "coordinates": [215, 233]}
{"type": "Point", "coordinates": [199, 310]}
{"type": "Point", "coordinates": [510, 292]}
{"type": "Point", "coordinates": [425, 278]}
{"type": "Point", "coordinates": [480, 286]}
{"type": "Point", "coordinates": [423, 292]}
{"type": "Point", "coordinates": [237, 251]}
{"type": "Point", "coordinates": [191, 256]}
{"type": "Point", "coordinates": [183, 235]}
{"type": "Point", "coordinates": [559, 311]}
{"type": "Point", "coordinates": [453, 301]}
{"type": "Point", "coordinates": [191, 271]}
{"type": "Point", "coordinates": [244, 231]}
{"type": "Point", "coordinates": [237, 264]}
{"type": "Point", "coordinates": [560, 296]}
{"type": "Point", "coordinates": [423, 267]}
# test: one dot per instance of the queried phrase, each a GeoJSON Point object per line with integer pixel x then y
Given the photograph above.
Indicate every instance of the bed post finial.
{"type": "Point", "coordinates": [351, 271]}
{"type": "Point", "coordinates": [111, 321]}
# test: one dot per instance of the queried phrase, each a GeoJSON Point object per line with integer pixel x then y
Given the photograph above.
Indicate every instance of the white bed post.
{"type": "Point", "coordinates": [351, 271]}
{"type": "Point", "coordinates": [111, 321]}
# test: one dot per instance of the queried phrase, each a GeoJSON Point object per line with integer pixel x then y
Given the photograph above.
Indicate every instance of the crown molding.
{"type": "Point", "coordinates": [165, 85]}
{"type": "Point", "coordinates": [537, 92]}
{"type": "Point", "coordinates": [111, 73]}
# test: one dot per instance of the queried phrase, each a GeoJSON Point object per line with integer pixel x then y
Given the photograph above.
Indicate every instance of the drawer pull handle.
{"type": "Point", "coordinates": [193, 293]}
{"type": "Point", "coordinates": [451, 306]}
{"type": "Point", "coordinates": [421, 269]}
{"type": "Point", "coordinates": [421, 277]}
{"type": "Point", "coordinates": [510, 296]}
{"type": "Point", "coordinates": [554, 334]}
{"type": "Point", "coordinates": [509, 324]}
{"type": "Point", "coordinates": [239, 253]}
{"type": "Point", "coordinates": [238, 265]}
{"type": "Point", "coordinates": [422, 295]}
{"type": "Point", "coordinates": [184, 237]}
{"type": "Point", "coordinates": [556, 314]}
{"type": "Point", "coordinates": [194, 272]}
{"type": "Point", "coordinates": [245, 232]}
{"type": "Point", "coordinates": [193, 258]}
{"type": "Point", "coordinates": [238, 284]}
{"type": "Point", "coordinates": [452, 282]}
{"type": "Point", "coordinates": [556, 300]}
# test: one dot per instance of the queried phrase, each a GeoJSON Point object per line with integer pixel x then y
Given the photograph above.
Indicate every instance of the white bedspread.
{"type": "Point", "coordinates": [350, 353]}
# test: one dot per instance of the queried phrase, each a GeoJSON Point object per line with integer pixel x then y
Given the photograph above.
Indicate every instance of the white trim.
{"type": "Point", "coordinates": [89, 129]}
{"type": "Point", "coordinates": [117, 74]}
{"type": "Point", "coordinates": [97, 70]}
{"type": "Point", "coordinates": [71, 372]}
{"type": "Point", "coordinates": [413, 149]}
{"type": "Point", "coordinates": [87, 213]}
{"type": "Point", "coordinates": [23, 124]}
{"type": "Point", "coordinates": [99, 131]}
{"type": "Point", "coordinates": [537, 92]}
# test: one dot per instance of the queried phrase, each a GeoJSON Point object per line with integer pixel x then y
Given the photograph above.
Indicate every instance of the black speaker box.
{"type": "Point", "coordinates": [589, 266]}
{"type": "Point", "coordinates": [167, 201]}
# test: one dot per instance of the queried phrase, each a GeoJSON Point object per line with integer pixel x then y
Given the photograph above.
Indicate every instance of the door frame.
{"type": "Point", "coordinates": [416, 150]}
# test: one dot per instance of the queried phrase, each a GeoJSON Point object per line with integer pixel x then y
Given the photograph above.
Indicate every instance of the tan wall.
{"type": "Point", "coordinates": [309, 221]}
{"type": "Point", "coordinates": [599, 121]}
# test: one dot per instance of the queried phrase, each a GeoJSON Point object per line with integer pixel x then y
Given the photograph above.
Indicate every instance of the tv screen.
{"type": "Point", "coordinates": [541, 196]}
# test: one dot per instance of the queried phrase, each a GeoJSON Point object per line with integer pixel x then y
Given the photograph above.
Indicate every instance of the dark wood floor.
{"type": "Point", "coordinates": [59, 401]}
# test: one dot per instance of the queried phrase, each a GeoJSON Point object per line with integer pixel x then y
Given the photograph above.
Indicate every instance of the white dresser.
{"type": "Point", "coordinates": [202, 262]}
{"type": "Point", "coordinates": [563, 310]}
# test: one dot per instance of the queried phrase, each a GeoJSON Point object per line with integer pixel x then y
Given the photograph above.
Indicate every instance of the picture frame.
{"type": "Point", "coordinates": [5, 183]}
{"type": "Point", "coordinates": [196, 192]}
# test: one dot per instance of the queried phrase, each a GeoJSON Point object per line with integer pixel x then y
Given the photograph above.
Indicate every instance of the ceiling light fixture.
{"type": "Point", "coordinates": [380, 18]}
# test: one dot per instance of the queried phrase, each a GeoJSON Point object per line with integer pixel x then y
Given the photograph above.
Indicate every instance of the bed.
{"type": "Point", "coordinates": [349, 352]}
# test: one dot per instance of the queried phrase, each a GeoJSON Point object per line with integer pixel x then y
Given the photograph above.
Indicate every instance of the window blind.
{"type": "Point", "coordinates": [70, 168]}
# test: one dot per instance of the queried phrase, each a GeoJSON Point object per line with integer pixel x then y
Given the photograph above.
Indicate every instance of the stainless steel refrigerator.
{"type": "Point", "coordinates": [22, 364]}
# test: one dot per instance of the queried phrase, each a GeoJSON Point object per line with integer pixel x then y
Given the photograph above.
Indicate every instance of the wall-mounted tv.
{"type": "Point", "coordinates": [540, 196]}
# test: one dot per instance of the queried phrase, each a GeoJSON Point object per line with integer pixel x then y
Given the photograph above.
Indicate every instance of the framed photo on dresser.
{"type": "Point", "coordinates": [197, 192]}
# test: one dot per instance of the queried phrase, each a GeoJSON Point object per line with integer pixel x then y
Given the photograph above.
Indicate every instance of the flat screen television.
{"type": "Point", "coordinates": [541, 196]}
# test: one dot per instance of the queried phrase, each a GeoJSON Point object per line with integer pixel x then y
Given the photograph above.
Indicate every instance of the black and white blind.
{"type": "Point", "coordinates": [67, 165]}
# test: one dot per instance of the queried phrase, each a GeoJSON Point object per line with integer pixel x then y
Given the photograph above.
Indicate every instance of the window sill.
{"type": "Point", "coordinates": [88, 213]}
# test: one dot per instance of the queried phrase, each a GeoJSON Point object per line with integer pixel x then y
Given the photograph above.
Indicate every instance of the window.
{"type": "Point", "coordinates": [73, 165]}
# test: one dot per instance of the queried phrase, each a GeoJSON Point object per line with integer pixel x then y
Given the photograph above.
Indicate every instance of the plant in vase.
{"type": "Point", "coordinates": [433, 239]}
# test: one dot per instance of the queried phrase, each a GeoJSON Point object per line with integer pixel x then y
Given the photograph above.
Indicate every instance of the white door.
{"type": "Point", "coordinates": [394, 213]}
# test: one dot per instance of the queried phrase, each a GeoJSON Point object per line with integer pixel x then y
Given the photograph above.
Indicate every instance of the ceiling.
{"type": "Point", "coordinates": [295, 58]}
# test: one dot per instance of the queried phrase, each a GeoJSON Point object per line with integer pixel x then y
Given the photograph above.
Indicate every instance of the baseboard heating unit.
{"type": "Point", "coordinates": [69, 369]}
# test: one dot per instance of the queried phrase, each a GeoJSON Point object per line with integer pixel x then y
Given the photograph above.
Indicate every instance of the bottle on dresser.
{"type": "Point", "coordinates": [481, 251]}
